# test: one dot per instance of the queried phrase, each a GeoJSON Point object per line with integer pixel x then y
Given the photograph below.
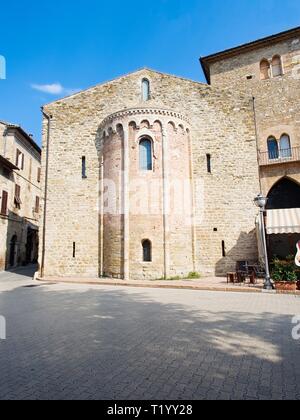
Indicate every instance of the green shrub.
{"type": "Point", "coordinates": [284, 270]}
{"type": "Point", "coordinates": [175, 278]}
{"type": "Point", "coordinates": [194, 275]}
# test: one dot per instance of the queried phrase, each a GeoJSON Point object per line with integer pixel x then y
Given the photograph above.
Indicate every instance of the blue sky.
{"type": "Point", "coordinates": [72, 45]}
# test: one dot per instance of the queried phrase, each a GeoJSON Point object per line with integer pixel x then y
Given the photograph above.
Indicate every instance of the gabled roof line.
{"type": "Point", "coordinates": [123, 77]}
{"type": "Point", "coordinates": [23, 133]}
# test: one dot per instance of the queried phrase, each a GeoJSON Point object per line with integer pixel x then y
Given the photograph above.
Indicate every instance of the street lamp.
{"type": "Point", "coordinates": [261, 202]}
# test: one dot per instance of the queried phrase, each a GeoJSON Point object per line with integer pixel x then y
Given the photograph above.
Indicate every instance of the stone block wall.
{"type": "Point", "coordinates": [219, 123]}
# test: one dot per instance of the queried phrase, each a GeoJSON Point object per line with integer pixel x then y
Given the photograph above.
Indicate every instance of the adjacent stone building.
{"type": "Point", "coordinates": [154, 176]}
{"type": "Point", "coordinates": [20, 192]}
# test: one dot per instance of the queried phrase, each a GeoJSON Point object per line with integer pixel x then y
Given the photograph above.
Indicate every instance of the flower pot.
{"type": "Point", "coordinates": [288, 286]}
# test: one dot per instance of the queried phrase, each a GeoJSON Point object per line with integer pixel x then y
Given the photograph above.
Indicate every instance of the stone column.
{"type": "Point", "coordinates": [166, 200]}
{"type": "Point", "coordinates": [101, 216]}
{"type": "Point", "coordinates": [126, 206]}
{"type": "Point", "coordinates": [193, 209]}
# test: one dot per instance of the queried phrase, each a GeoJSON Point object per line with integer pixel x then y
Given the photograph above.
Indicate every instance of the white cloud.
{"type": "Point", "coordinates": [54, 89]}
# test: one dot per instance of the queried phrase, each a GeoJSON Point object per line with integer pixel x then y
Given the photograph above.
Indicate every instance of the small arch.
{"type": "Point", "coordinates": [119, 128]}
{"type": "Point", "coordinates": [265, 69]}
{"type": "Point", "coordinates": [157, 126]}
{"type": "Point", "coordinates": [147, 250]}
{"type": "Point", "coordinates": [285, 146]}
{"type": "Point", "coordinates": [132, 126]}
{"type": "Point", "coordinates": [145, 124]}
{"type": "Point", "coordinates": [277, 69]}
{"type": "Point", "coordinates": [146, 154]}
{"type": "Point", "coordinates": [273, 148]}
{"type": "Point", "coordinates": [146, 90]}
{"type": "Point", "coordinates": [171, 126]}
{"type": "Point", "coordinates": [181, 128]}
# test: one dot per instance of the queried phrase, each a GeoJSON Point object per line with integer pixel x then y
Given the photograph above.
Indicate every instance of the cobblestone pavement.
{"type": "Point", "coordinates": [102, 342]}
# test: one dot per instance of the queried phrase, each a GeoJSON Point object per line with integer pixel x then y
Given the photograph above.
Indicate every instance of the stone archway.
{"type": "Point", "coordinates": [285, 194]}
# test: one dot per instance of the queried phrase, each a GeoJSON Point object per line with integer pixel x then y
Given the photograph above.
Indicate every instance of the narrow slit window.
{"type": "Point", "coordinates": [74, 249]}
{"type": "Point", "coordinates": [147, 251]}
{"type": "Point", "coordinates": [223, 249]}
{"type": "Point", "coordinates": [208, 161]}
{"type": "Point", "coordinates": [146, 90]}
{"type": "Point", "coordinates": [83, 167]}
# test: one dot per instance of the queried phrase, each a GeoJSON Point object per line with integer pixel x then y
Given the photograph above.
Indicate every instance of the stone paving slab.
{"type": "Point", "coordinates": [68, 341]}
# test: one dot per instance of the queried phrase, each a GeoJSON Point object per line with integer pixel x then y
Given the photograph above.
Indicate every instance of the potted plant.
{"type": "Point", "coordinates": [285, 274]}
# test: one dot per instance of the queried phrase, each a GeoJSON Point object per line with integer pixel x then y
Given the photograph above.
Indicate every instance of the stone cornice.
{"type": "Point", "coordinates": [132, 112]}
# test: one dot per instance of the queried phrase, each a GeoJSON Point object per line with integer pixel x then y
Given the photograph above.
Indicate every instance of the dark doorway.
{"type": "Point", "coordinates": [13, 250]}
{"type": "Point", "coordinates": [29, 245]}
{"type": "Point", "coordinates": [284, 195]}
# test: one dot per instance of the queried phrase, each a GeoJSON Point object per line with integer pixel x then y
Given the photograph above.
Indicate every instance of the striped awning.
{"type": "Point", "coordinates": [283, 221]}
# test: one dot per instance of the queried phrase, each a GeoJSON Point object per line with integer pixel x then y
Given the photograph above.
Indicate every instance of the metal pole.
{"type": "Point", "coordinates": [268, 284]}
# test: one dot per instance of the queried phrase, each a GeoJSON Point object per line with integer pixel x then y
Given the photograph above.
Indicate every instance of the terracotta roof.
{"type": "Point", "coordinates": [23, 133]}
{"type": "Point", "coordinates": [206, 61]}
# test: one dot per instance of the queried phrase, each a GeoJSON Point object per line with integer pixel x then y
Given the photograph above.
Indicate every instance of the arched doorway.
{"type": "Point", "coordinates": [285, 194]}
{"type": "Point", "coordinates": [13, 251]}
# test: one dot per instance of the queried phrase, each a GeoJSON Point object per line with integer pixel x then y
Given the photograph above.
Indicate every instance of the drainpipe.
{"type": "Point", "coordinates": [257, 143]}
{"type": "Point", "coordinates": [48, 118]}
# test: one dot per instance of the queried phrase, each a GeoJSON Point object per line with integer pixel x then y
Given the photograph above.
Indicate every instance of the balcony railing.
{"type": "Point", "coordinates": [280, 156]}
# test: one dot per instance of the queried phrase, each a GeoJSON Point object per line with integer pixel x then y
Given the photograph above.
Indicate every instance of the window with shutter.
{"type": "Point", "coordinates": [18, 201]}
{"type": "Point", "coordinates": [39, 175]}
{"type": "Point", "coordinates": [4, 202]}
{"type": "Point", "coordinates": [37, 204]}
{"type": "Point", "coordinates": [20, 159]}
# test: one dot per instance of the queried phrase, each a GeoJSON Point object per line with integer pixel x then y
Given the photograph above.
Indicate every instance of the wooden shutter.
{"type": "Point", "coordinates": [17, 157]}
{"type": "Point", "coordinates": [18, 201]}
{"type": "Point", "coordinates": [4, 203]}
{"type": "Point", "coordinates": [37, 204]}
{"type": "Point", "coordinates": [23, 158]}
{"type": "Point", "coordinates": [17, 191]}
{"type": "Point", "coordinates": [39, 175]}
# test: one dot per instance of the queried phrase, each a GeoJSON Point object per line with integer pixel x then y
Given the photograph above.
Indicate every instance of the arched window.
{"type": "Point", "coordinates": [273, 148]}
{"type": "Point", "coordinates": [285, 146]}
{"type": "Point", "coordinates": [146, 155]}
{"type": "Point", "coordinates": [265, 70]}
{"type": "Point", "coordinates": [146, 93]}
{"type": "Point", "coordinates": [277, 66]}
{"type": "Point", "coordinates": [147, 250]}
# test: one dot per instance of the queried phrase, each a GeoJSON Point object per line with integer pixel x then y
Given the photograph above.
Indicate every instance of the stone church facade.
{"type": "Point", "coordinates": [153, 176]}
